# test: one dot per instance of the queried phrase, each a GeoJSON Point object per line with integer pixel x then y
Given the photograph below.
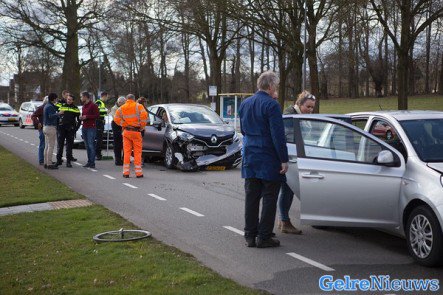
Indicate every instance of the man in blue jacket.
{"type": "Point", "coordinates": [265, 160]}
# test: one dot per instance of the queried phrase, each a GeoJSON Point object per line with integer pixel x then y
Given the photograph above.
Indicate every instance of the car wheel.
{"type": "Point", "coordinates": [170, 160]}
{"type": "Point", "coordinates": [424, 237]}
{"type": "Point", "coordinates": [388, 135]}
{"type": "Point", "coordinates": [20, 123]}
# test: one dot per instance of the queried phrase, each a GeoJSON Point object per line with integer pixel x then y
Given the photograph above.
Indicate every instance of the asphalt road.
{"type": "Point", "coordinates": [202, 214]}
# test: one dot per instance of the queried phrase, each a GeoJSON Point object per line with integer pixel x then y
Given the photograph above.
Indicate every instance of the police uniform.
{"type": "Point", "coordinates": [68, 125]}
{"type": "Point", "coordinates": [100, 124]}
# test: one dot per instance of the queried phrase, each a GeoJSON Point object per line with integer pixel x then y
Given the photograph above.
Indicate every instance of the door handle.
{"type": "Point", "coordinates": [312, 176]}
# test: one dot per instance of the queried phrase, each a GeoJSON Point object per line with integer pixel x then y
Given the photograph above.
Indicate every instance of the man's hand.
{"type": "Point", "coordinates": [82, 117]}
{"type": "Point", "coordinates": [284, 168]}
{"type": "Point", "coordinates": [39, 126]}
{"type": "Point", "coordinates": [61, 112]}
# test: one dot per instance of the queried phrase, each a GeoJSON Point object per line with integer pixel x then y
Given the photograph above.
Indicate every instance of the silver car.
{"type": "Point", "coordinates": [345, 176]}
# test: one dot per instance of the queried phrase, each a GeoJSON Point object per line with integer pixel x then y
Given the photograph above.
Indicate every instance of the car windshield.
{"type": "Point", "coordinates": [187, 114]}
{"type": "Point", "coordinates": [427, 138]}
{"type": "Point", "coordinates": [5, 108]}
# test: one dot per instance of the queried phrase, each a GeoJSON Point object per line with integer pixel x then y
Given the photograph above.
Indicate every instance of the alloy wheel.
{"type": "Point", "coordinates": [421, 236]}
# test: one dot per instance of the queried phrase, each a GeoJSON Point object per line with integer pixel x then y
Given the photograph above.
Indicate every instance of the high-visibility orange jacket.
{"type": "Point", "coordinates": [131, 114]}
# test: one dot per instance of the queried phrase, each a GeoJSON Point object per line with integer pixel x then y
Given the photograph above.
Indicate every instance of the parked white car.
{"type": "Point", "coordinates": [345, 176]}
{"type": "Point", "coordinates": [26, 110]}
{"type": "Point", "coordinates": [8, 116]}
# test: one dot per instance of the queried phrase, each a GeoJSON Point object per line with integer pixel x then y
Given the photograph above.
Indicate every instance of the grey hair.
{"type": "Point", "coordinates": [121, 100]}
{"type": "Point", "coordinates": [130, 96]}
{"type": "Point", "coordinates": [267, 80]}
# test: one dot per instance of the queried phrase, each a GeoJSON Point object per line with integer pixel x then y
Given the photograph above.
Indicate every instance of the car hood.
{"type": "Point", "coordinates": [436, 166]}
{"type": "Point", "coordinates": [206, 130]}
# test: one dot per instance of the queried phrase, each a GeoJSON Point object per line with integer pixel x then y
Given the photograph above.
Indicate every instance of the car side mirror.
{"type": "Point", "coordinates": [386, 158]}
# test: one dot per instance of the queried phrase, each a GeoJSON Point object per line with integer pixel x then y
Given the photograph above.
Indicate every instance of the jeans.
{"type": "Point", "coordinates": [50, 136]}
{"type": "Point", "coordinates": [41, 146]}
{"type": "Point", "coordinates": [257, 189]}
{"type": "Point", "coordinates": [89, 139]}
{"type": "Point", "coordinates": [285, 198]}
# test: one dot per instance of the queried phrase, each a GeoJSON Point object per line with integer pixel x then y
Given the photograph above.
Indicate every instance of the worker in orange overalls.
{"type": "Point", "coordinates": [133, 118]}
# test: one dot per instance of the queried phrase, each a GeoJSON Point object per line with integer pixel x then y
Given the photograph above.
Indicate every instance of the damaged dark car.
{"type": "Point", "coordinates": [190, 137]}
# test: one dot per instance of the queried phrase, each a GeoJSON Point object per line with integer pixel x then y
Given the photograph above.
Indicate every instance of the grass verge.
{"type": "Point", "coordinates": [53, 252]}
{"type": "Point", "coordinates": [343, 106]}
{"type": "Point", "coordinates": [23, 184]}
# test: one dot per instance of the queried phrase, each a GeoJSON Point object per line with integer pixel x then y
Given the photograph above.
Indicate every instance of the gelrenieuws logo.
{"type": "Point", "coordinates": [374, 283]}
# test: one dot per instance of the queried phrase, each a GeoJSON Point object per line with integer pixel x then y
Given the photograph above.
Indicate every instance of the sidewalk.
{"type": "Point", "coordinates": [44, 206]}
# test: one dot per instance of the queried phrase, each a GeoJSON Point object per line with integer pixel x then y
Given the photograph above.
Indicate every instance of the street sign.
{"type": "Point", "coordinates": [212, 90]}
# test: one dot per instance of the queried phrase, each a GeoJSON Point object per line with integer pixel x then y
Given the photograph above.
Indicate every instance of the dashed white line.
{"type": "Point", "coordinates": [26, 141]}
{"type": "Point", "coordinates": [310, 261]}
{"type": "Point", "coordinates": [20, 139]}
{"type": "Point", "coordinates": [129, 185]}
{"type": "Point", "coordinates": [78, 164]}
{"type": "Point", "coordinates": [32, 144]}
{"type": "Point", "coordinates": [192, 212]}
{"type": "Point", "coordinates": [157, 197]}
{"type": "Point", "coordinates": [233, 229]}
{"type": "Point", "coordinates": [93, 170]}
{"type": "Point", "coordinates": [108, 176]}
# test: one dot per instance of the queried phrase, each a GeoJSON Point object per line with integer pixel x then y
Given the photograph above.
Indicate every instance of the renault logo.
{"type": "Point", "coordinates": [214, 139]}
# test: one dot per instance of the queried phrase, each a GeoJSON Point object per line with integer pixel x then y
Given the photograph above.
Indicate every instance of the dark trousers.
{"type": "Point", "coordinates": [100, 126]}
{"type": "Point", "coordinates": [65, 133]}
{"type": "Point", "coordinates": [118, 142]}
{"type": "Point", "coordinates": [257, 189]}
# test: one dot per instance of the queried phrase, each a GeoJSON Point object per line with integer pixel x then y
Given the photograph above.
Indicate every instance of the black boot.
{"type": "Point", "coordinates": [68, 164]}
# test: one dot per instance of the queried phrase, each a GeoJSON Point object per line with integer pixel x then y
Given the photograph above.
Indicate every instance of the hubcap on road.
{"type": "Point", "coordinates": [420, 236]}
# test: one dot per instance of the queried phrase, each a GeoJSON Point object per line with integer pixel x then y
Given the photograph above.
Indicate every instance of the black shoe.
{"type": "Point", "coordinates": [139, 176]}
{"type": "Point", "coordinates": [52, 167]}
{"type": "Point", "coordinates": [268, 243]}
{"type": "Point", "coordinates": [125, 176]}
{"type": "Point", "coordinates": [68, 164]}
{"type": "Point", "coordinates": [118, 163]}
{"type": "Point", "coordinates": [86, 165]}
{"type": "Point", "coordinates": [45, 166]}
{"type": "Point", "coordinates": [59, 162]}
{"type": "Point", "coordinates": [41, 163]}
{"type": "Point", "coordinates": [92, 166]}
{"type": "Point", "coordinates": [98, 158]}
{"type": "Point", "coordinates": [73, 160]}
{"type": "Point", "coordinates": [250, 242]}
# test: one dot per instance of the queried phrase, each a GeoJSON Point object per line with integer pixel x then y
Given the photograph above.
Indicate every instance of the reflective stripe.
{"type": "Point", "coordinates": [129, 116]}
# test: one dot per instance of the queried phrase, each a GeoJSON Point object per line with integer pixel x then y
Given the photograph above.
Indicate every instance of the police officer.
{"type": "Point", "coordinates": [69, 123]}
{"type": "Point", "coordinates": [100, 124]}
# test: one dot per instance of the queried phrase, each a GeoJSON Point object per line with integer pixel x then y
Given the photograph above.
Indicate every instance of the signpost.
{"type": "Point", "coordinates": [213, 94]}
{"type": "Point", "coordinates": [229, 104]}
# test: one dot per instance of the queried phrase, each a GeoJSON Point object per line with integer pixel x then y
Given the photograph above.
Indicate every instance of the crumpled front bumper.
{"type": "Point", "coordinates": [232, 155]}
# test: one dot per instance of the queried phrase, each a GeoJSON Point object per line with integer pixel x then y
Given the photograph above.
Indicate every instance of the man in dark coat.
{"type": "Point", "coordinates": [265, 160]}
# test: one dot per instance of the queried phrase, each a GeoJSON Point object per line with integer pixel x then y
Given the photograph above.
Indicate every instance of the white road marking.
{"type": "Point", "coordinates": [93, 170]}
{"type": "Point", "coordinates": [192, 212]}
{"type": "Point", "coordinates": [26, 141]}
{"type": "Point", "coordinates": [32, 144]}
{"type": "Point", "coordinates": [20, 139]}
{"type": "Point", "coordinates": [78, 164]}
{"type": "Point", "coordinates": [233, 229]}
{"type": "Point", "coordinates": [129, 185]}
{"type": "Point", "coordinates": [310, 261]}
{"type": "Point", "coordinates": [107, 176]}
{"type": "Point", "coordinates": [157, 197]}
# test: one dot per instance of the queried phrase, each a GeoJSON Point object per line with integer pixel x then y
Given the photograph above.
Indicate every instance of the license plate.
{"type": "Point", "coordinates": [12, 119]}
{"type": "Point", "coordinates": [216, 168]}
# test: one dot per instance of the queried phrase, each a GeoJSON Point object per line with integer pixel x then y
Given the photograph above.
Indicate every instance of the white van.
{"type": "Point", "coordinates": [26, 110]}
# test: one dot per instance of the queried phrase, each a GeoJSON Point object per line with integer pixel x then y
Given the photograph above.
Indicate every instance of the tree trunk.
{"type": "Point", "coordinates": [252, 61]}
{"type": "Point", "coordinates": [428, 57]}
{"type": "Point", "coordinates": [71, 64]}
{"type": "Point", "coordinates": [403, 77]}
{"type": "Point", "coordinates": [313, 66]}
{"type": "Point", "coordinates": [340, 59]}
{"type": "Point", "coordinates": [283, 75]}
{"type": "Point", "coordinates": [440, 84]}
